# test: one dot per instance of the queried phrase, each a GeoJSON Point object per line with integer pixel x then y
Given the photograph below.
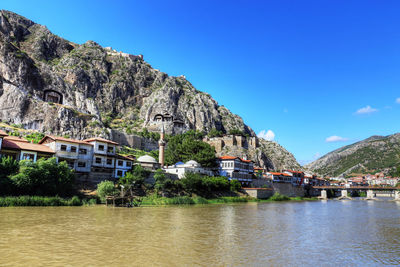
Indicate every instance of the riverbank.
{"type": "Point", "coordinates": [152, 200]}
{"type": "Point", "coordinates": [44, 201]}
{"type": "Point", "coordinates": [185, 200]}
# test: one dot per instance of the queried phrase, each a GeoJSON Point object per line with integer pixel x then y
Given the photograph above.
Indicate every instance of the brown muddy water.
{"type": "Point", "coordinates": [317, 233]}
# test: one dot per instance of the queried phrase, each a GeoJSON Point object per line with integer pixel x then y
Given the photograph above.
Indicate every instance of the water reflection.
{"type": "Point", "coordinates": [322, 233]}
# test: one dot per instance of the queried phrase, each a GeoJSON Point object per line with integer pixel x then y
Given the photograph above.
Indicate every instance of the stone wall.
{"type": "Point", "coordinates": [133, 141]}
{"type": "Point", "coordinates": [232, 140]}
{"type": "Point", "coordinates": [260, 193]}
{"type": "Point", "coordinates": [261, 183]}
{"type": "Point", "coordinates": [288, 190]}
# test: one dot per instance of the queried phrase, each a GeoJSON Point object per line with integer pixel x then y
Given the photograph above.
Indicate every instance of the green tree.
{"type": "Point", "coordinates": [135, 178]}
{"type": "Point", "coordinates": [8, 166]}
{"type": "Point", "coordinates": [189, 146]}
{"type": "Point", "coordinates": [160, 178]}
{"type": "Point", "coordinates": [34, 137]}
{"type": "Point", "coordinates": [44, 177]}
{"type": "Point", "coordinates": [106, 188]}
{"type": "Point", "coordinates": [235, 185]}
{"type": "Point", "coordinates": [215, 133]}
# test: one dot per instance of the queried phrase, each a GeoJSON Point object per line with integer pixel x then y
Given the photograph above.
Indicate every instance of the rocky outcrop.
{"type": "Point", "coordinates": [374, 154]}
{"type": "Point", "coordinates": [82, 90]}
{"type": "Point", "coordinates": [99, 88]}
{"type": "Point", "coordinates": [266, 154]}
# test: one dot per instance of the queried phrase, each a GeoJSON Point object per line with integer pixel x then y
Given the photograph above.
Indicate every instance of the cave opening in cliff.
{"type": "Point", "coordinates": [53, 96]}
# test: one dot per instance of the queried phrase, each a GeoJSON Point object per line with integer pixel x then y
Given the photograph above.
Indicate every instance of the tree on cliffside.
{"type": "Point", "coordinates": [189, 146]}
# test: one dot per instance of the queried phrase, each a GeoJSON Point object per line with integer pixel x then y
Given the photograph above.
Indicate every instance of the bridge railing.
{"type": "Point", "coordinates": [356, 187]}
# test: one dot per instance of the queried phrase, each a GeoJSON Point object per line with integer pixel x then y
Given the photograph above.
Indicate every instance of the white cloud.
{"type": "Point", "coordinates": [366, 110]}
{"type": "Point", "coordinates": [398, 100]}
{"type": "Point", "coordinates": [267, 135]}
{"type": "Point", "coordinates": [335, 138]}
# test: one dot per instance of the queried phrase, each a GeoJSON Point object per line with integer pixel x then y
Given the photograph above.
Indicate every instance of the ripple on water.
{"type": "Point", "coordinates": [353, 233]}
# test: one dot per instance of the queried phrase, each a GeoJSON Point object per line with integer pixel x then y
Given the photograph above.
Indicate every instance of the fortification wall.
{"type": "Point", "coordinates": [288, 190]}
{"type": "Point", "coordinates": [133, 141]}
{"type": "Point", "coordinates": [260, 193]}
{"type": "Point", "coordinates": [232, 140]}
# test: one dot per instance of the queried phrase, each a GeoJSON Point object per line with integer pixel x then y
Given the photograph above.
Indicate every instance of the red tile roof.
{"type": "Point", "coordinates": [100, 140]}
{"type": "Point", "coordinates": [231, 157]}
{"type": "Point", "coordinates": [227, 157]}
{"type": "Point", "coordinates": [11, 143]}
{"type": "Point", "coordinates": [16, 138]}
{"type": "Point", "coordinates": [3, 133]}
{"type": "Point", "coordinates": [63, 139]}
{"type": "Point", "coordinates": [294, 171]}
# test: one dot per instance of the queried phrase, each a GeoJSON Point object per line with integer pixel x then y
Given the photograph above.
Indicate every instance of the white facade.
{"type": "Point", "coordinates": [78, 155]}
{"type": "Point", "coordinates": [103, 153]}
{"type": "Point", "coordinates": [122, 166]}
{"type": "Point", "coordinates": [236, 168]}
{"type": "Point", "coordinates": [103, 148]}
{"type": "Point", "coordinates": [190, 166]}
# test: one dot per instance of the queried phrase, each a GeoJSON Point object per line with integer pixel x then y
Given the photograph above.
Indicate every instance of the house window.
{"type": "Point", "coordinates": [82, 151]}
{"type": "Point", "coordinates": [81, 164]}
{"type": "Point", "coordinates": [73, 149]}
{"type": "Point", "coordinates": [63, 148]}
{"type": "Point", "coordinates": [119, 173]}
{"type": "Point", "coordinates": [98, 160]}
{"type": "Point", "coordinates": [120, 163]}
{"type": "Point", "coordinates": [101, 147]}
{"type": "Point", "coordinates": [109, 161]}
{"type": "Point", "coordinates": [110, 149]}
{"type": "Point", "coordinates": [128, 164]}
{"type": "Point", "coordinates": [28, 156]}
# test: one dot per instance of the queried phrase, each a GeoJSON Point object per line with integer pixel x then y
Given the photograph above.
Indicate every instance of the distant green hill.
{"type": "Point", "coordinates": [374, 154]}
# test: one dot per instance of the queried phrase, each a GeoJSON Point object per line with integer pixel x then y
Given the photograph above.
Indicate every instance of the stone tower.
{"type": "Point", "coordinates": [161, 146]}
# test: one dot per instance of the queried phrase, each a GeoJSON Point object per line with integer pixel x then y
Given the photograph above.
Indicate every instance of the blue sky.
{"type": "Point", "coordinates": [301, 69]}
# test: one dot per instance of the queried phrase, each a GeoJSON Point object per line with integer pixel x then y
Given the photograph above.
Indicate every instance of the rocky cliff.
{"type": "Point", "coordinates": [81, 90]}
{"type": "Point", "coordinates": [57, 86]}
{"type": "Point", "coordinates": [374, 154]}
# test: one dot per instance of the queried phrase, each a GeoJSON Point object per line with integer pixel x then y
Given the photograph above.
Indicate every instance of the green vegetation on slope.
{"type": "Point", "coordinates": [369, 156]}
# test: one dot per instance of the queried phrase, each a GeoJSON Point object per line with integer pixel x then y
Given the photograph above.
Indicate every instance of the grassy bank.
{"type": "Point", "coordinates": [185, 200]}
{"type": "Point", "coordinates": [44, 201]}
{"type": "Point", "coordinates": [154, 200]}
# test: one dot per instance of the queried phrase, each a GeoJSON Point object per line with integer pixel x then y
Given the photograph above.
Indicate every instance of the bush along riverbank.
{"type": "Point", "coordinates": [44, 201]}
{"type": "Point", "coordinates": [41, 183]}
{"type": "Point", "coordinates": [191, 189]}
{"type": "Point", "coordinates": [155, 200]}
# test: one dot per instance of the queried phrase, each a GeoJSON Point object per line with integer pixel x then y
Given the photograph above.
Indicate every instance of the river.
{"type": "Point", "coordinates": [314, 233]}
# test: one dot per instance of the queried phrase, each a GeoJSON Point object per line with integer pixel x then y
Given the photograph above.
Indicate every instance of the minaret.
{"type": "Point", "coordinates": [161, 146]}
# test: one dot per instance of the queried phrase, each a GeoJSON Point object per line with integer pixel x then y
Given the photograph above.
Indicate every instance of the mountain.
{"type": "Point", "coordinates": [374, 154]}
{"type": "Point", "coordinates": [55, 86]}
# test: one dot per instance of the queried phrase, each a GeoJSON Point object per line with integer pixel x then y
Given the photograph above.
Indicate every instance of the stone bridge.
{"type": "Point", "coordinates": [371, 191]}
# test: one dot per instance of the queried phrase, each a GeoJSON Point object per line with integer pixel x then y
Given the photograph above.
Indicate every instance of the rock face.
{"type": "Point", "coordinates": [266, 154]}
{"type": "Point", "coordinates": [374, 154]}
{"type": "Point", "coordinates": [93, 89]}
{"type": "Point", "coordinates": [55, 86]}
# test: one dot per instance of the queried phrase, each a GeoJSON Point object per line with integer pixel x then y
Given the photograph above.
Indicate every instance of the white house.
{"type": "Point", "coordinates": [103, 159]}
{"type": "Point", "coordinates": [236, 168]}
{"type": "Point", "coordinates": [21, 149]}
{"type": "Point", "coordinates": [279, 177]}
{"type": "Point", "coordinates": [123, 165]}
{"type": "Point", "coordinates": [190, 166]}
{"type": "Point", "coordinates": [78, 154]}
